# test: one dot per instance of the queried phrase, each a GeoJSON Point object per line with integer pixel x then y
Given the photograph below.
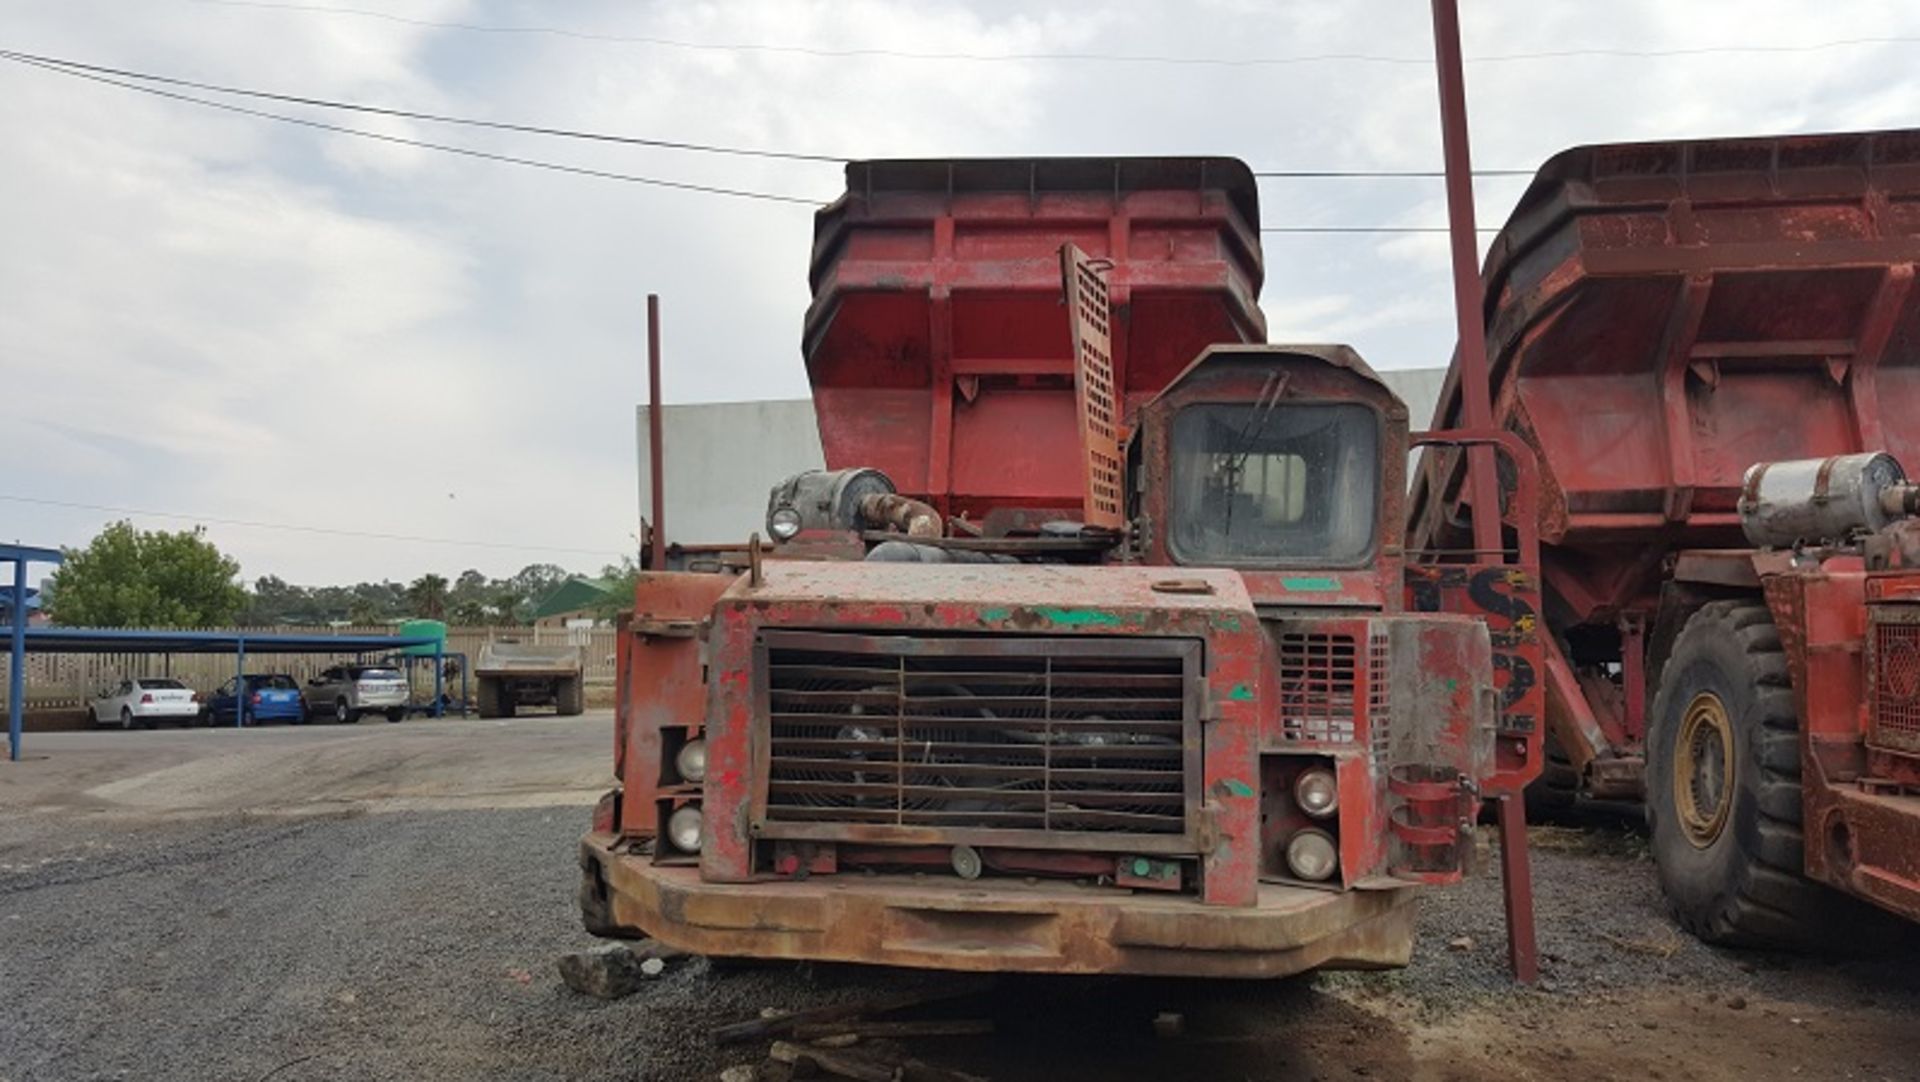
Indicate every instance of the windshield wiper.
{"type": "Point", "coordinates": [1263, 406]}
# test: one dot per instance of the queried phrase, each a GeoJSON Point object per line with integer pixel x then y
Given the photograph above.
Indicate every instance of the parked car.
{"type": "Point", "coordinates": [348, 691]}
{"type": "Point", "coordinates": [269, 697]}
{"type": "Point", "coordinates": [145, 702]}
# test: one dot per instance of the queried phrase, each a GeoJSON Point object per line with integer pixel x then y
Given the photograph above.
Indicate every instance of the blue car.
{"type": "Point", "coordinates": [270, 697]}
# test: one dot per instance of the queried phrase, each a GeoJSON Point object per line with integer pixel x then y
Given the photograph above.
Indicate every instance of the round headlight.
{"type": "Point", "coordinates": [1317, 792]}
{"type": "Point", "coordinates": [1312, 856]}
{"type": "Point", "coordinates": [683, 829]}
{"type": "Point", "coordinates": [692, 761]}
{"type": "Point", "coordinates": [783, 523]}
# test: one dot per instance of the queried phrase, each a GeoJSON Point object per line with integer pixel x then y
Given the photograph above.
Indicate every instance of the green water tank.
{"type": "Point", "coordinates": [425, 629]}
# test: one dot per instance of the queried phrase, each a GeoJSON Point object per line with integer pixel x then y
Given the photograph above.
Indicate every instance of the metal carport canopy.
{"type": "Point", "coordinates": [106, 640]}
{"type": "Point", "coordinates": [95, 640]}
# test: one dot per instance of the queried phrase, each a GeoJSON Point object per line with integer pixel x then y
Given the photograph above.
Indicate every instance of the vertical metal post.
{"type": "Point", "coordinates": [17, 661]}
{"type": "Point", "coordinates": [1633, 675]}
{"type": "Point", "coordinates": [657, 473]}
{"type": "Point", "coordinates": [240, 683]}
{"type": "Point", "coordinates": [1516, 877]}
{"type": "Point", "coordinates": [439, 678]}
{"type": "Point", "coordinates": [1476, 397]}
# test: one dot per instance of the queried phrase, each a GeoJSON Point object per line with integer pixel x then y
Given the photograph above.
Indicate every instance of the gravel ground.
{"type": "Point", "coordinates": [200, 906]}
{"type": "Point", "coordinates": [421, 945]}
{"type": "Point", "coordinates": [416, 946]}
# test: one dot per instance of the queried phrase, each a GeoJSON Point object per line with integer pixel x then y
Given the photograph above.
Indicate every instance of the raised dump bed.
{"type": "Point", "coordinates": [937, 344]}
{"type": "Point", "coordinates": [510, 675]}
{"type": "Point", "coordinates": [1662, 316]}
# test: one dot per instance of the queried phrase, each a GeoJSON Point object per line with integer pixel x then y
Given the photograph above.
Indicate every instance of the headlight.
{"type": "Point", "coordinates": [1312, 856]}
{"type": "Point", "coordinates": [683, 828]}
{"type": "Point", "coordinates": [783, 523]}
{"type": "Point", "coordinates": [1317, 792]}
{"type": "Point", "coordinates": [692, 761]}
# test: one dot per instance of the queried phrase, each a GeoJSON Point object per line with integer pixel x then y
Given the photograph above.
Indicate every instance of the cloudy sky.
{"type": "Point", "coordinates": [257, 323]}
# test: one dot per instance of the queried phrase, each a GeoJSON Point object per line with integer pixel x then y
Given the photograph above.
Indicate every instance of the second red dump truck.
{"type": "Point", "coordinates": [1098, 648]}
{"type": "Point", "coordinates": [1713, 348]}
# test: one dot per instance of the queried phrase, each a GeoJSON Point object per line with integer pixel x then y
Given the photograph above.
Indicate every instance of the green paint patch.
{"type": "Point", "coordinates": [1237, 787]}
{"type": "Point", "coordinates": [1310, 584]}
{"type": "Point", "coordinates": [1241, 693]}
{"type": "Point", "coordinates": [1080, 617]}
{"type": "Point", "coordinates": [995, 615]}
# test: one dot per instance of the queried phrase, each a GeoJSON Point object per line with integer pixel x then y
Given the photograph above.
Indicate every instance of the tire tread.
{"type": "Point", "coordinates": [1771, 902]}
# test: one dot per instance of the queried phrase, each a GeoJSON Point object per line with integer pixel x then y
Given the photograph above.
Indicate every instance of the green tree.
{"type": "Point", "coordinates": [147, 578]}
{"type": "Point", "coordinates": [428, 596]}
{"type": "Point", "coordinates": [469, 612]}
{"type": "Point", "coordinates": [530, 586]}
{"type": "Point", "coordinates": [620, 578]}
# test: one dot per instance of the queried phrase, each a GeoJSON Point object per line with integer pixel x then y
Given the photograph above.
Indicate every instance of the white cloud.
{"type": "Point", "coordinates": [217, 313]}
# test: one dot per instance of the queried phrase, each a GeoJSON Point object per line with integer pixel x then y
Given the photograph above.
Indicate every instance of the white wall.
{"type": "Point", "coordinates": [722, 457]}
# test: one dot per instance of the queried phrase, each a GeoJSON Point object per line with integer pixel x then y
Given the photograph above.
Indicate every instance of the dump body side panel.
{"type": "Point", "coordinates": [936, 343]}
{"type": "Point", "coordinates": [1662, 316]}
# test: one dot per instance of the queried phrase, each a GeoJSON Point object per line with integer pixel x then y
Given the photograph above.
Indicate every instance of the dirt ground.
{"type": "Point", "coordinates": [387, 901]}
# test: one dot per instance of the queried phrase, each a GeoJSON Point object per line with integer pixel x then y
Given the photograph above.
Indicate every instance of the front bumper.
{"type": "Point", "coordinates": [993, 925]}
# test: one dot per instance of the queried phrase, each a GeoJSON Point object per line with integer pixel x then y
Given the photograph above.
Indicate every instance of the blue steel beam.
{"type": "Point", "coordinates": [20, 556]}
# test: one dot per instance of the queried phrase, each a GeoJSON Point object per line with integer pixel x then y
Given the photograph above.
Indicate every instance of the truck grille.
{"type": "Point", "coordinates": [1317, 681]}
{"type": "Point", "coordinates": [1895, 662]}
{"type": "Point", "coordinates": [1045, 735]}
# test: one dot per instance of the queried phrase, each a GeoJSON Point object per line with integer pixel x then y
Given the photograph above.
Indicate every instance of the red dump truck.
{"type": "Point", "coordinates": [1711, 347]}
{"type": "Point", "coordinates": [1097, 648]}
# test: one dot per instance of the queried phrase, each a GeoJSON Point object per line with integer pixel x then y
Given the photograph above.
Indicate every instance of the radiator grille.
{"type": "Point", "coordinates": [1316, 686]}
{"type": "Point", "coordinates": [1025, 734]}
{"type": "Point", "coordinates": [1896, 685]}
{"type": "Point", "coordinates": [1379, 695]}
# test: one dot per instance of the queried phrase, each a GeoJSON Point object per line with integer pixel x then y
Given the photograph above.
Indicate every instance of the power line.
{"type": "Point", "coordinates": [90, 73]}
{"type": "Point", "coordinates": [1362, 229]}
{"type": "Point", "coordinates": [469, 152]}
{"type": "Point", "coordinates": [1377, 174]}
{"type": "Point", "coordinates": [634, 140]}
{"type": "Point", "coordinates": [438, 118]}
{"type": "Point", "coordinates": [1114, 58]}
{"type": "Point", "coordinates": [295, 528]}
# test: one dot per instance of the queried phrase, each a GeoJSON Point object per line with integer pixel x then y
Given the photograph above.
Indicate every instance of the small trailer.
{"type": "Point", "coordinates": [511, 675]}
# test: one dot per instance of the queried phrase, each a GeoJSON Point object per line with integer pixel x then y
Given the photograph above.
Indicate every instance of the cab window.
{"type": "Point", "coordinates": [1294, 484]}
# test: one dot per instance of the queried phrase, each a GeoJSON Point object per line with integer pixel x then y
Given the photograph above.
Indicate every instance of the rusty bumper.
{"type": "Point", "coordinates": [1007, 926]}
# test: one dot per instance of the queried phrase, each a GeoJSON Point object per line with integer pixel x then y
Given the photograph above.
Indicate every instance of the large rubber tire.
{"type": "Point", "coordinates": [1732, 868]}
{"type": "Point", "coordinates": [569, 697]}
{"type": "Point", "coordinates": [126, 717]}
{"type": "Point", "coordinates": [486, 695]}
{"type": "Point", "coordinates": [344, 714]}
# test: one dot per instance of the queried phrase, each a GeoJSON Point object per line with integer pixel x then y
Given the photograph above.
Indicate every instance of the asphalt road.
{"type": "Point", "coordinates": [387, 902]}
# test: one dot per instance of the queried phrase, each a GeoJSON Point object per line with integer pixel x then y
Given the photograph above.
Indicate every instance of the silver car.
{"type": "Point", "coordinates": [348, 691]}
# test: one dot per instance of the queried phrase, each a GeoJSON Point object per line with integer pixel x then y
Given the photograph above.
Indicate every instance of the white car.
{"type": "Point", "coordinates": [146, 702]}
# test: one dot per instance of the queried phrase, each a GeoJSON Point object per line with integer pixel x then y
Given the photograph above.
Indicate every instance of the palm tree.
{"type": "Point", "coordinates": [428, 596]}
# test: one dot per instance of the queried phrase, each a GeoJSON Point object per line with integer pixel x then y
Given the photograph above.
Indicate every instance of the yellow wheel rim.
{"type": "Point", "coordinates": [1704, 770]}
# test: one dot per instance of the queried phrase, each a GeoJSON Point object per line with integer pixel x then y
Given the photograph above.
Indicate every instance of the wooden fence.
{"type": "Point", "coordinates": [68, 681]}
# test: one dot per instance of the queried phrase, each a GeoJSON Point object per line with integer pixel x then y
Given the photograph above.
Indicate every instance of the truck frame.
{"type": "Point", "coordinates": [1712, 348]}
{"type": "Point", "coordinates": [1010, 691]}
